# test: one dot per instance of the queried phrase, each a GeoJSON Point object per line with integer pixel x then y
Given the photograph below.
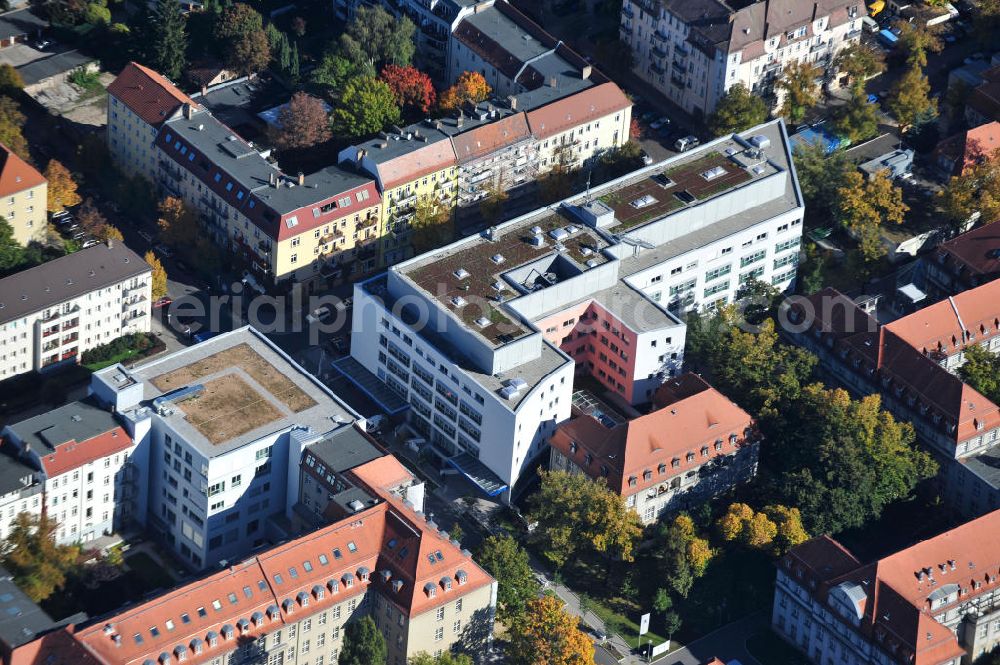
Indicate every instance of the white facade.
{"type": "Point", "coordinates": [694, 67]}
{"type": "Point", "coordinates": [23, 495]}
{"type": "Point", "coordinates": [41, 328]}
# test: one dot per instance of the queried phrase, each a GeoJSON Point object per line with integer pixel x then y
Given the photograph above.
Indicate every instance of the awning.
{"type": "Point", "coordinates": [478, 474]}
{"type": "Point", "coordinates": [388, 400]}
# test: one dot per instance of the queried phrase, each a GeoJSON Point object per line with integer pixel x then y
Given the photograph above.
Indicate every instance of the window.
{"type": "Point", "coordinates": [716, 273]}
{"type": "Point", "coordinates": [753, 258]}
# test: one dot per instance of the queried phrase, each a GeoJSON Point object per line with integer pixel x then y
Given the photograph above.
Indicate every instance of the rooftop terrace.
{"type": "Point", "coordinates": [470, 279]}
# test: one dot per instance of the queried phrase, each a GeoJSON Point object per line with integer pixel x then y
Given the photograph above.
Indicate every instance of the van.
{"type": "Point", "coordinates": [870, 24]}
{"type": "Point", "coordinates": [686, 143]}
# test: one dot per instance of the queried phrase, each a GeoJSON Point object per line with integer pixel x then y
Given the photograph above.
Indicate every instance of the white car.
{"type": "Point", "coordinates": [318, 314]}
{"type": "Point", "coordinates": [686, 143]}
{"type": "Point", "coordinates": [646, 159]}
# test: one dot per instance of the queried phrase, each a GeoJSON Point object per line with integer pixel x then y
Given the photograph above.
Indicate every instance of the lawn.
{"type": "Point", "coordinates": [149, 571]}
{"type": "Point", "coordinates": [228, 408]}
{"type": "Point", "coordinates": [126, 347]}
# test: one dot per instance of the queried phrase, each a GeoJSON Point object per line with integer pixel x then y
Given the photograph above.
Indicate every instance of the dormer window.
{"type": "Point", "coordinates": [632, 481]}
{"type": "Point", "coordinates": [430, 590]}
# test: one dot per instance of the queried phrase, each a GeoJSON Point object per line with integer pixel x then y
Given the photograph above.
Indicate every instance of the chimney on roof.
{"type": "Point", "coordinates": [302, 178]}
{"type": "Point", "coordinates": [362, 153]}
{"type": "Point", "coordinates": [437, 124]}
{"type": "Point", "coordinates": [512, 100]}
{"type": "Point", "coordinates": [272, 179]}
{"type": "Point", "coordinates": [553, 82]}
{"type": "Point", "coordinates": [460, 120]}
{"type": "Point", "coordinates": [204, 90]}
{"type": "Point", "coordinates": [188, 110]}
{"type": "Point", "coordinates": [586, 72]}
{"type": "Point", "coordinates": [110, 243]}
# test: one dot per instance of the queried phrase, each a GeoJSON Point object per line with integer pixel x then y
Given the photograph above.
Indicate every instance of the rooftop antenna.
{"type": "Point", "coordinates": [590, 172]}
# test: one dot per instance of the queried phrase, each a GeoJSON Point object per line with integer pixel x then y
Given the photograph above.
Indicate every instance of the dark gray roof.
{"type": "Point", "coordinates": [21, 22]}
{"type": "Point", "coordinates": [349, 500]}
{"type": "Point", "coordinates": [54, 65]}
{"type": "Point", "coordinates": [16, 474]}
{"type": "Point", "coordinates": [986, 466]}
{"type": "Point", "coordinates": [21, 620]}
{"type": "Point", "coordinates": [79, 421]}
{"type": "Point", "coordinates": [241, 160]}
{"type": "Point", "coordinates": [67, 277]}
{"type": "Point", "coordinates": [344, 450]}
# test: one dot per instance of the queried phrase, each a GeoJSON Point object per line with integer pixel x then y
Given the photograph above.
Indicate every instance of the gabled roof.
{"type": "Point", "coordinates": [975, 253]}
{"type": "Point", "coordinates": [971, 146]}
{"type": "Point", "coordinates": [589, 104]}
{"type": "Point", "coordinates": [16, 175]}
{"type": "Point", "coordinates": [486, 139]}
{"type": "Point", "coordinates": [682, 427]}
{"type": "Point", "coordinates": [426, 159]}
{"type": "Point", "coordinates": [148, 94]}
{"type": "Point", "coordinates": [947, 324]}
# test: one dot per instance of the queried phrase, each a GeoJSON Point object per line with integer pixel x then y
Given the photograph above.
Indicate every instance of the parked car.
{"type": "Point", "coordinates": [162, 302]}
{"type": "Point", "coordinates": [686, 143]}
{"type": "Point", "coordinates": [41, 44]}
{"type": "Point", "coordinates": [68, 227]}
{"type": "Point", "coordinates": [146, 235]}
{"type": "Point", "coordinates": [646, 159]}
{"type": "Point", "coordinates": [319, 314]}
{"type": "Point", "coordinates": [164, 250]}
{"type": "Point", "coordinates": [662, 121]}
{"type": "Point", "coordinates": [374, 424]}
{"type": "Point", "coordinates": [90, 242]}
{"type": "Point", "coordinates": [59, 215]}
{"type": "Point", "coordinates": [79, 234]}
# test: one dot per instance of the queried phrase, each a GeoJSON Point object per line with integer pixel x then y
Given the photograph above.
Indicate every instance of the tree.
{"type": "Point", "coordinates": [11, 123]}
{"type": "Point", "coordinates": [62, 187]}
{"type": "Point", "coordinates": [178, 224]}
{"type": "Point", "coordinates": [432, 225]}
{"type": "Point", "coordinates": [334, 71]}
{"type": "Point", "coordinates": [671, 623]}
{"type": "Point", "coordinates": [97, 13]}
{"type": "Point", "coordinates": [446, 658]}
{"type": "Point", "coordinates": [866, 205]}
{"type": "Point", "coordinates": [856, 120]}
{"type": "Point", "coordinates": [910, 97]}
{"type": "Point", "coordinates": [471, 87]}
{"type": "Point", "coordinates": [31, 555]}
{"type": "Point", "coordinates": [304, 123]}
{"type": "Point", "coordinates": [555, 185]}
{"type": "Point", "coordinates": [981, 371]}
{"type": "Point", "coordinates": [859, 62]}
{"type": "Point", "coordinates": [733, 522]}
{"type": "Point", "coordinates": [413, 88]}
{"type": "Point", "coordinates": [90, 218]}
{"type": "Point", "coordinates": [237, 20]}
{"type": "Point", "coordinates": [686, 556]}
{"type": "Point", "coordinates": [798, 81]}
{"type": "Point", "coordinates": [548, 635]}
{"type": "Point", "coordinates": [109, 232]}
{"type": "Point", "coordinates": [820, 176]}
{"type": "Point", "coordinates": [789, 529]}
{"type": "Point", "coordinates": [576, 515]}
{"type": "Point", "coordinates": [378, 38]}
{"type": "Point", "coordinates": [168, 43]}
{"type": "Point", "coordinates": [10, 79]}
{"type": "Point", "coordinates": [11, 252]}
{"type": "Point", "coordinates": [505, 559]}
{"type": "Point", "coordinates": [616, 162]}
{"type": "Point", "coordinates": [363, 644]}
{"type": "Point", "coordinates": [975, 189]}
{"type": "Point", "coordinates": [915, 41]}
{"type": "Point", "coordinates": [250, 54]}
{"type": "Point", "coordinates": [737, 111]}
{"type": "Point", "coordinates": [662, 601]}
{"type": "Point", "coordinates": [634, 130]}
{"type": "Point", "coordinates": [491, 207]}
{"type": "Point", "coordinates": [159, 286]}
{"type": "Point", "coordinates": [366, 106]}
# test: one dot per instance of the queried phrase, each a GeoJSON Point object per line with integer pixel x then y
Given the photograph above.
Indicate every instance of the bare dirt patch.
{"type": "Point", "coordinates": [228, 408]}
{"type": "Point", "coordinates": [267, 375]}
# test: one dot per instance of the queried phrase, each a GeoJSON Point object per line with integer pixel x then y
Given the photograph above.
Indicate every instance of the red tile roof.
{"type": "Point", "coordinates": [974, 254]}
{"type": "Point", "coordinates": [16, 175]}
{"type": "Point", "coordinates": [150, 96]}
{"type": "Point", "coordinates": [986, 97]}
{"type": "Point", "coordinates": [973, 145]}
{"type": "Point", "coordinates": [946, 325]}
{"type": "Point", "coordinates": [73, 454]}
{"type": "Point", "coordinates": [387, 546]}
{"type": "Point", "coordinates": [590, 104]}
{"type": "Point", "coordinates": [382, 473]}
{"type": "Point", "coordinates": [898, 587]}
{"type": "Point", "coordinates": [491, 137]}
{"type": "Point", "coordinates": [658, 440]}
{"type": "Point", "coordinates": [415, 164]}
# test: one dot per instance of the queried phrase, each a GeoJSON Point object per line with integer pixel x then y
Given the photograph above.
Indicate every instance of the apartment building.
{"type": "Point", "coordinates": [934, 603]}
{"type": "Point", "coordinates": [140, 101]}
{"type": "Point", "coordinates": [289, 604]}
{"type": "Point", "coordinates": [52, 313]}
{"type": "Point", "coordinates": [964, 262]}
{"type": "Point", "coordinates": [911, 363]}
{"type": "Point", "coordinates": [693, 51]}
{"type": "Point", "coordinates": [93, 480]}
{"type": "Point", "coordinates": [222, 425]}
{"type": "Point", "coordinates": [694, 445]}
{"type": "Point", "coordinates": [501, 323]}
{"type": "Point", "coordinates": [24, 197]}
{"type": "Point", "coordinates": [499, 156]}
{"type": "Point", "coordinates": [21, 488]}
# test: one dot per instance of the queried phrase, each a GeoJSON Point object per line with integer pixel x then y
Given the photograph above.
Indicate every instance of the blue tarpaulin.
{"type": "Point", "coordinates": [888, 37]}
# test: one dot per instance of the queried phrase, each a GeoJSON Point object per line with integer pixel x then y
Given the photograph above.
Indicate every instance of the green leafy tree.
{"type": "Point", "coordinates": [168, 39]}
{"type": "Point", "coordinates": [334, 71]}
{"type": "Point", "coordinates": [866, 206]}
{"type": "Point", "coordinates": [364, 644]}
{"type": "Point", "coordinates": [31, 555]}
{"type": "Point", "coordinates": [432, 225]}
{"type": "Point", "coordinates": [982, 371]}
{"type": "Point", "coordinates": [11, 252]}
{"type": "Point", "coordinates": [801, 92]}
{"type": "Point", "coordinates": [975, 189]}
{"type": "Point", "coordinates": [446, 658]}
{"type": "Point", "coordinates": [916, 40]}
{"type": "Point", "coordinates": [10, 79]}
{"type": "Point", "coordinates": [737, 111]}
{"type": "Point", "coordinates": [856, 120]}
{"type": "Point", "coordinates": [859, 62]}
{"type": "Point", "coordinates": [578, 515]}
{"type": "Point", "coordinates": [365, 107]}
{"type": "Point", "coordinates": [376, 38]}
{"type": "Point", "coordinates": [491, 207]}
{"type": "Point", "coordinates": [11, 124]}
{"type": "Point", "coordinates": [910, 98]}
{"type": "Point", "coordinates": [505, 559]}
{"type": "Point", "coordinates": [240, 33]}
{"type": "Point", "coordinates": [820, 176]}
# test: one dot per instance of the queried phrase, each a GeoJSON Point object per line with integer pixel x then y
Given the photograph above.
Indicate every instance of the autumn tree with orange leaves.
{"type": "Point", "coordinates": [413, 88]}
{"type": "Point", "coordinates": [470, 87]}
{"type": "Point", "coordinates": [548, 635]}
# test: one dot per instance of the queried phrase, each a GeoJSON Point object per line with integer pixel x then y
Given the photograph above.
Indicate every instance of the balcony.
{"type": "Point", "coordinates": [659, 36]}
{"type": "Point", "coordinates": [678, 80]}
{"type": "Point", "coordinates": [406, 200]}
{"type": "Point", "coordinates": [853, 34]}
{"type": "Point", "coordinates": [50, 346]}
{"type": "Point", "coordinates": [627, 11]}
{"type": "Point", "coordinates": [50, 331]}
{"type": "Point", "coordinates": [818, 47]}
{"type": "Point", "coordinates": [69, 339]}
{"type": "Point", "coordinates": [68, 354]}
{"type": "Point", "coordinates": [69, 325]}
{"type": "Point", "coordinates": [658, 52]}
{"type": "Point", "coordinates": [133, 290]}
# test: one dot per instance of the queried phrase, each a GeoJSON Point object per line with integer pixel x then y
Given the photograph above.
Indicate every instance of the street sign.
{"type": "Point", "coordinates": [644, 624]}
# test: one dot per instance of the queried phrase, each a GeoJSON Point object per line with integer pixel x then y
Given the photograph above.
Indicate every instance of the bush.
{"type": "Point", "coordinates": [83, 77]}
{"type": "Point", "coordinates": [136, 345]}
